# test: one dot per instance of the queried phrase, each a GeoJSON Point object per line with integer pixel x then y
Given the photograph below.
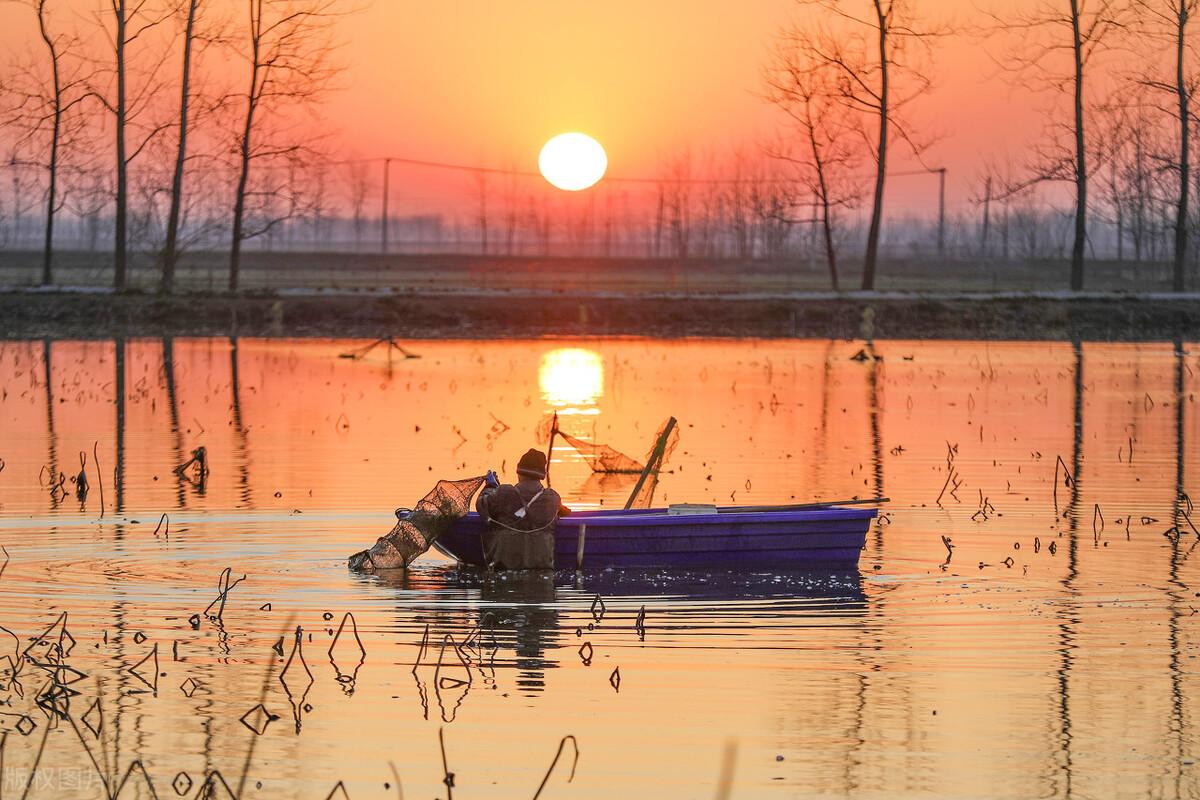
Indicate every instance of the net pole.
{"type": "Point", "coordinates": [550, 445]}
{"type": "Point", "coordinates": [654, 462]}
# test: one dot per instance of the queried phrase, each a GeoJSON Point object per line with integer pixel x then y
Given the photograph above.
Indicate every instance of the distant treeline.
{"type": "Point", "coordinates": [168, 126]}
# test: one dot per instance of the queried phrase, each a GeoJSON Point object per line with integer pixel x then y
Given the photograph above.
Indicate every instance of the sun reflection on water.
{"type": "Point", "coordinates": [572, 380]}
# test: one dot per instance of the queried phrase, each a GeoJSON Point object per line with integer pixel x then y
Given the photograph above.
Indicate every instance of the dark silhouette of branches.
{"type": "Point", "coordinates": [195, 102]}
{"type": "Point", "coordinates": [1168, 22]}
{"type": "Point", "coordinates": [130, 98]}
{"type": "Point", "coordinates": [824, 133]}
{"type": "Point", "coordinates": [288, 50]}
{"type": "Point", "coordinates": [879, 53]}
{"type": "Point", "coordinates": [359, 188]}
{"type": "Point", "coordinates": [44, 96]}
{"type": "Point", "coordinates": [1057, 44]}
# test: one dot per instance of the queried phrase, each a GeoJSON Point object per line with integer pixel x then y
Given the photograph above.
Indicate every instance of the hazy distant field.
{"type": "Point", "coordinates": [281, 270]}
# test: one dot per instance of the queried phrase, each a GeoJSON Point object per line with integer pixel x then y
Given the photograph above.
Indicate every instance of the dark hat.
{"type": "Point", "coordinates": [533, 464]}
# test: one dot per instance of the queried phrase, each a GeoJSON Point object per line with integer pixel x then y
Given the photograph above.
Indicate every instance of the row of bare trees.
{"type": "Point", "coordinates": [845, 75]}
{"type": "Point", "coordinates": [246, 76]}
{"type": "Point", "coordinates": [846, 72]}
{"type": "Point", "coordinates": [733, 207]}
{"type": "Point", "coordinates": [191, 120]}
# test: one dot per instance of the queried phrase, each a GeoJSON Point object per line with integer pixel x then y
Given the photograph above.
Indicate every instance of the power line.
{"type": "Point", "coordinates": [419, 162]}
{"type": "Point", "coordinates": [474, 168]}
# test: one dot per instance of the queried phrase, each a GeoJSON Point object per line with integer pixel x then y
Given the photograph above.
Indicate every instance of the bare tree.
{"type": "Point", "coordinates": [24, 193]}
{"type": "Point", "coordinates": [360, 187]}
{"type": "Point", "coordinates": [1112, 120]}
{"type": "Point", "coordinates": [880, 55]}
{"type": "Point", "coordinates": [1134, 168]}
{"type": "Point", "coordinates": [1058, 44]}
{"type": "Point", "coordinates": [512, 206]}
{"type": "Point", "coordinates": [659, 217]}
{"type": "Point", "coordinates": [676, 203]}
{"type": "Point", "coordinates": [481, 192]}
{"type": "Point", "coordinates": [772, 201]}
{"type": "Point", "coordinates": [86, 200]}
{"type": "Point", "coordinates": [1170, 21]}
{"type": "Point", "coordinates": [124, 22]}
{"type": "Point", "coordinates": [170, 251]}
{"type": "Point", "coordinates": [808, 90]}
{"type": "Point", "coordinates": [288, 50]}
{"type": "Point", "coordinates": [45, 97]}
{"type": "Point", "coordinates": [737, 201]}
{"type": "Point", "coordinates": [983, 195]}
{"type": "Point", "coordinates": [318, 202]}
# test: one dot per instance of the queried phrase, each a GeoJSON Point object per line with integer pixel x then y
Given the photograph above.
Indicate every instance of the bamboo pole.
{"type": "Point", "coordinates": [805, 506]}
{"type": "Point", "coordinates": [654, 463]}
{"type": "Point", "coordinates": [550, 445]}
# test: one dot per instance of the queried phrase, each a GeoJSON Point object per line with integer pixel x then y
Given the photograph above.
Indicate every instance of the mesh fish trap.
{"type": "Point", "coordinates": [417, 529]}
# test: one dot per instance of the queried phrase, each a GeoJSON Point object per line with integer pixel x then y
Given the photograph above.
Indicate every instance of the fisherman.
{"type": "Point", "coordinates": [520, 518]}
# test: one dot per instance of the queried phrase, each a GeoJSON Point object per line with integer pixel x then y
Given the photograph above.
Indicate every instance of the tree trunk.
{"type": "Point", "coordinates": [239, 210]}
{"type": "Point", "coordinates": [868, 278]}
{"type": "Point", "coordinates": [1120, 235]}
{"type": "Point", "coordinates": [1181, 209]}
{"type": "Point", "coordinates": [239, 203]}
{"type": "Point", "coordinates": [987, 208]}
{"type": "Point", "coordinates": [1080, 158]}
{"type": "Point", "coordinates": [51, 192]}
{"type": "Point", "coordinates": [119, 253]}
{"type": "Point", "coordinates": [51, 199]}
{"type": "Point", "coordinates": [823, 193]}
{"type": "Point", "coordinates": [1138, 228]}
{"type": "Point", "coordinates": [830, 250]}
{"type": "Point", "coordinates": [170, 254]}
{"type": "Point", "coordinates": [1004, 234]}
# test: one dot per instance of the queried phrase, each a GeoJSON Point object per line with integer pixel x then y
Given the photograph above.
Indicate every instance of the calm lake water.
{"type": "Point", "coordinates": [1053, 655]}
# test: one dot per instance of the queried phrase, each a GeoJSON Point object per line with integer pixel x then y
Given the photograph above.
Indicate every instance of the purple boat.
{"type": "Point", "coordinates": [725, 538]}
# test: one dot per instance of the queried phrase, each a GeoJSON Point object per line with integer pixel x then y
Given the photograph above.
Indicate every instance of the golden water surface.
{"type": "Point", "coordinates": [1052, 652]}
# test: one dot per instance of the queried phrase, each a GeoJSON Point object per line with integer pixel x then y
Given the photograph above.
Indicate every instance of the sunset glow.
{"type": "Point", "coordinates": [571, 376]}
{"type": "Point", "coordinates": [572, 161]}
{"type": "Point", "coordinates": [361, 426]}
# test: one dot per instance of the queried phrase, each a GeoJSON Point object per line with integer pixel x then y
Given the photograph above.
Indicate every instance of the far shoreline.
{"type": "Point", "coordinates": [1036, 316]}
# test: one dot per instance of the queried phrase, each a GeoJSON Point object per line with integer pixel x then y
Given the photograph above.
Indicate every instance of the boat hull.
{"type": "Point", "coordinates": [821, 538]}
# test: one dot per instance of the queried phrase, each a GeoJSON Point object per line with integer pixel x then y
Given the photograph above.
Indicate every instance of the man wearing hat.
{"type": "Point", "coordinates": [520, 518]}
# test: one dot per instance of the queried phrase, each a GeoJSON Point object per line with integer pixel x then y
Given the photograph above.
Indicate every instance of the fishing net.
{"type": "Point", "coordinates": [644, 497]}
{"type": "Point", "coordinates": [418, 528]}
{"type": "Point", "coordinates": [604, 459]}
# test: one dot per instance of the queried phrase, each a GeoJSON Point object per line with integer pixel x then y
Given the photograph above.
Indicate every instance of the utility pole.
{"type": "Point", "coordinates": [383, 220]}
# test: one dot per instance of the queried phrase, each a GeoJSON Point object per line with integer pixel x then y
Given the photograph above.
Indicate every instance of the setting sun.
{"type": "Point", "coordinates": [572, 161]}
{"type": "Point", "coordinates": [571, 376]}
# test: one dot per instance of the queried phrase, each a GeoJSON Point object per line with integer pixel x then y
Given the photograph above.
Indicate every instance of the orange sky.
{"type": "Point", "coordinates": [489, 82]}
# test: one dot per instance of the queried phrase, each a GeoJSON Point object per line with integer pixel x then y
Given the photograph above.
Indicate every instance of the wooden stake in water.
{"type": "Point", "coordinates": [579, 544]}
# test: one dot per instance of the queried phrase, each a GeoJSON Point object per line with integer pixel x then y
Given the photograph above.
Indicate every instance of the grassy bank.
{"type": "Point", "coordinates": [75, 315]}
